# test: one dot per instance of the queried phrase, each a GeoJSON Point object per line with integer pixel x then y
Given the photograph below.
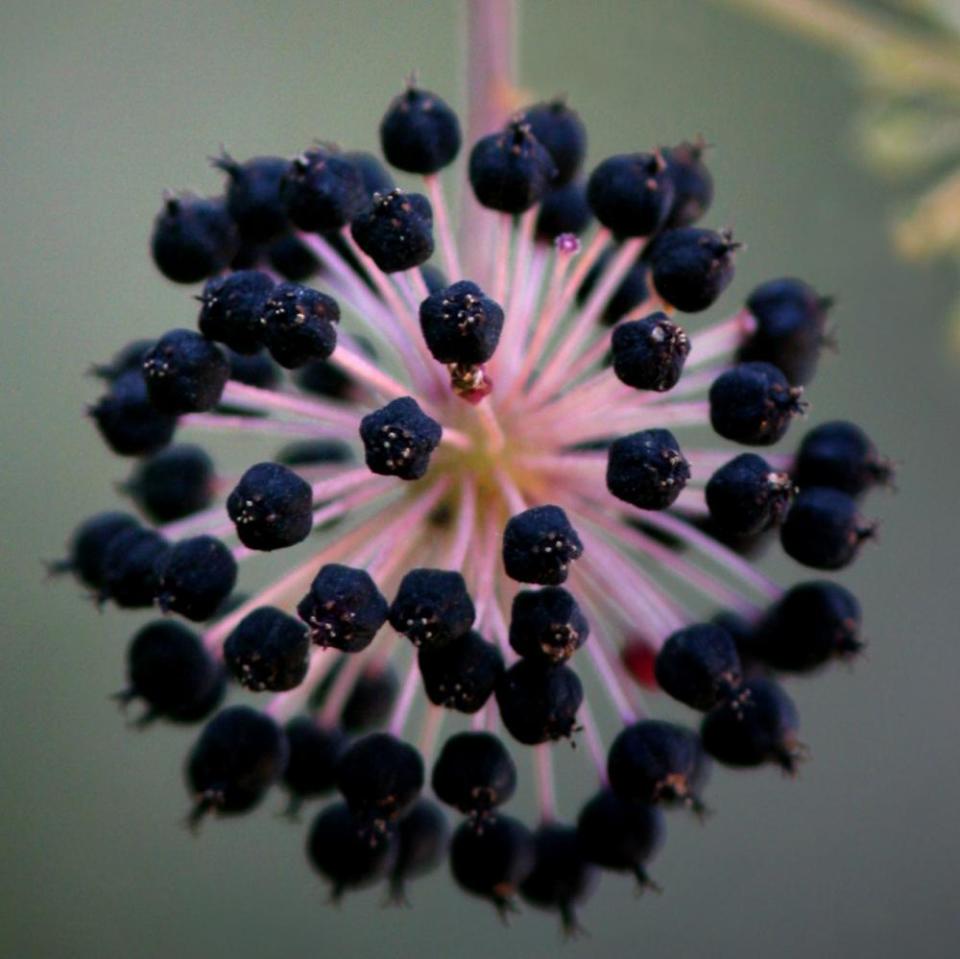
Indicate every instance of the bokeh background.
{"type": "Point", "coordinates": [105, 103]}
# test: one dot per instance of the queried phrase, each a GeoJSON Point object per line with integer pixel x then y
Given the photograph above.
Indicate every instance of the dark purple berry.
{"type": "Point", "coordinates": [195, 576]}
{"type": "Point", "coordinates": [649, 354]}
{"type": "Point", "coordinates": [563, 210]}
{"type": "Point", "coordinates": [492, 862]}
{"type": "Point", "coordinates": [461, 674]}
{"type": "Point", "coordinates": [371, 700]}
{"type": "Point", "coordinates": [341, 850]}
{"type": "Point", "coordinates": [255, 369]}
{"type": "Point", "coordinates": [692, 184]}
{"type": "Point", "coordinates": [561, 877]}
{"type": "Point", "coordinates": [474, 773]}
{"type": "Point", "coordinates": [344, 609]}
{"type": "Point", "coordinates": [432, 607]}
{"type": "Point", "coordinates": [240, 754]}
{"type": "Point", "coordinates": [547, 624]}
{"type": "Point", "coordinates": [561, 131]}
{"type": "Point", "coordinates": [380, 777]}
{"type": "Point", "coordinates": [746, 496]}
{"type": "Point", "coordinates": [271, 507]}
{"type": "Point", "coordinates": [299, 324]}
{"type": "Point", "coordinates": [699, 666]}
{"type": "Point", "coordinates": [423, 836]}
{"type": "Point", "coordinates": [791, 319]}
{"type": "Point", "coordinates": [375, 177]}
{"type": "Point", "coordinates": [169, 668]}
{"type": "Point", "coordinates": [510, 171]}
{"type": "Point", "coordinates": [647, 469]}
{"type": "Point", "coordinates": [419, 133]}
{"type": "Point", "coordinates": [268, 650]}
{"type": "Point", "coordinates": [129, 423]}
{"type": "Point", "coordinates": [620, 835]}
{"type": "Point", "coordinates": [399, 438]}
{"type": "Point", "coordinates": [322, 190]}
{"type": "Point", "coordinates": [89, 544]}
{"type": "Point", "coordinates": [631, 292]}
{"type": "Point", "coordinates": [812, 624]}
{"type": "Point", "coordinates": [538, 546]}
{"type": "Point", "coordinates": [753, 404]}
{"type": "Point", "coordinates": [185, 373]}
{"type": "Point", "coordinates": [292, 259]}
{"type": "Point", "coordinates": [840, 455]}
{"type": "Point", "coordinates": [824, 529]}
{"type": "Point", "coordinates": [193, 238]}
{"type": "Point", "coordinates": [173, 483]}
{"type": "Point", "coordinates": [759, 727]}
{"type": "Point", "coordinates": [654, 761]}
{"type": "Point", "coordinates": [315, 453]}
{"type": "Point", "coordinates": [253, 196]}
{"type": "Point", "coordinates": [538, 702]}
{"type": "Point", "coordinates": [461, 324]}
{"type": "Point", "coordinates": [231, 307]}
{"type": "Point", "coordinates": [691, 267]}
{"type": "Point", "coordinates": [631, 194]}
{"type": "Point", "coordinates": [315, 751]}
{"type": "Point", "coordinates": [396, 230]}
{"type": "Point", "coordinates": [129, 567]}
{"type": "Point", "coordinates": [126, 359]}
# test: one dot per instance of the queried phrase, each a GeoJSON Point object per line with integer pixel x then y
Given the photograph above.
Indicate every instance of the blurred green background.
{"type": "Point", "coordinates": [106, 103]}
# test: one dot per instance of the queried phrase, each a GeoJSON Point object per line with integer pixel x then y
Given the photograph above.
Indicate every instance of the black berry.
{"type": "Point", "coordinates": [185, 373]}
{"type": "Point", "coordinates": [474, 773]}
{"type": "Point", "coordinates": [268, 650]}
{"type": "Point", "coordinates": [253, 196]}
{"type": "Point", "coordinates": [432, 607]}
{"type": "Point", "coordinates": [511, 170]}
{"type": "Point", "coordinates": [538, 702]}
{"type": "Point", "coordinates": [290, 257]}
{"type": "Point", "coordinates": [231, 307]}
{"type": "Point", "coordinates": [129, 567]}
{"type": "Point", "coordinates": [127, 358]}
{"type": "Point", "coordinates": [344, 609]}
{"type": "Point", "coordinates": [492, 862]}
{"type": "Point", "coordinates": [423, 836]}
{"type": "Point", "coordinates": [840, 455]}
{"type": "Point", "coordinates": [649, 354]}
{"type": "Point", "coordinates": [563, 210]}
{"type": "Point", "coordinates": [699, 666]}
{"type": "Point", "coordinates": [824, 529]}
{"type": "Point", "coordinates": [299, 324]}
{"type": "Point", "coordinates": [315, 751]}
{"type": "Point", "coordinates": [461, 324]}
{"type": "Point", "coordinates": [173, 483]}
{"type": "Point", "coordinates": [561, 877]}
{"type": "Point", "coordinates": [691, 267]}
{"type": "Point", "coordinates": [692, 184]}
{"type": "Point", "coordinates": [399, 438]}
{"type": "Point", "coordinates": [129, 423]}
{"type": "Point", "coordinates": [746, 496]}
{"type": "Point", "coordinates": [631, 194]}
{"type": "Point", "coordinates": [561, 131]}
{"type": "Point", "coordinates": [419, 133]}
{"type": "Point", "coordinates": [195, 576]}
{"type": "Point", "coordinates": [753, 404]}
{"type": "Point", "coordinates": [254, 369]}
{"type": "Point", "coordinates": [461, 674]}
{"type": "Point", "coordinates": [271, 507]}
{"type": "Point", "coordinates": [396, 230]}
{"type": "Point", "coordinates": [547, 624]}
{"type": "Point", "coordinates": [375, 177]}
{"type": "Point", "coordinates": [193, 238]}
{"type": "Point", "coordinates": [322, 190]}
{"type": "Point", "coordinates": [538, 546]}
{"type": "Point", "coordinates": [371, 700]}
{"type": "Point", "coordinates": [647, 469]}
{"type": "Point", "coordinates": [89, 544]}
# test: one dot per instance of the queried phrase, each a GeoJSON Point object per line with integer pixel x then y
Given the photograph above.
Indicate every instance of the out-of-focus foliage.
{"type": "Point", "coordinates": [908, 54]}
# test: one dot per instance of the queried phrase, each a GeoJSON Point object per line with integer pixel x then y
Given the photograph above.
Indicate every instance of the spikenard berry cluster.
{"type": "Point", "coordinates": [484, 488]}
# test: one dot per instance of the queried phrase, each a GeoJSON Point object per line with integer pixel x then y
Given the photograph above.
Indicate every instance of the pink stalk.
{"type": "Point", "coordinates": [511, 493]}
{"type": "Point", "coordinates": [441, 215]}
{"type": "Point", "coordinates": [253, 425]}
{"type": "Point", "coordinates": [721, 339]}
{"type": "Point", "coordinates": [466, 521]}
{"type": "Point", "coordinates": [546, 788]}
{"type": "Point", "coordinates": [405, 700]}
{"type": "Point", "coordinates": [419, 286]}
{"type": "Point", "coordinates": [429, 730]}
{"type": "Point", "coordinates": [284, 705]}
{"type": "Point", "coordinates": [508, 356]}
{"type": "Point", "coordinates": [353, 667]}
{"type": "Point", "coordinates": [594, 745]}
{"type": "Point", "coordinates": [607, 675]}
{"type": "Point", "coordinates": [254, 398]}
{"type": "Point", "coordinates": [501, 259]}
{"type": "Point", "coordinates": [485, 597]}
{"type": "Point", "coordinates": [362, 369]}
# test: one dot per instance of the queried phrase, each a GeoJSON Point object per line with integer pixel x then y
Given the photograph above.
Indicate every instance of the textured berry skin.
{"type": "Point", "coordinates": [253, 196]}
{"type": "Point", "coordinates": [399, 438]}
{"type": "Point", "coordinates": [539, 702]}
{"type": "Point", "coordinates": [89, 544]}
{"type": "Point", "coordinates": [655, 761]}
{"type": "Point", "coordinates": [268, 650]}
{"type": "Point", "coordinates": [380, 777]}
{"type": "Point", "coordinates": [813, 623]}
{"type": "Point", "coordinates": [791, 318]}
{"type": "Point", "coordinates": [761, 727]}
{"type": "Point", "coordinates": [691, 267]}
{"type": "Point", "coordinates": [647, 469]}
{"type": "Point", "coordinates": [631, 292]}
{"type": "Point", "coordinates": [342, 852]}
{"type": "Point", "coordinates": [561, 875]}
{"type": "Point", "coordinates": [840, 455]}
{"type": "Point", "coordinates": [240, 754]}
{"type": "Point", "coordinates": [692, 184]}
{"type": "Point", "coordinates": [746, 496]}
{"type": "Point", "coordinates": [255, 369]}
{"type": "Point", "coordinates": [461, 324]}
{"type": "Point", "coordinates": [371, 701]}
{"type": "Point", "coordinates": [129, 568]}
{"type": "Point", "coordinates": [299, 324]}
{"type": "Point", "coordinates": [193, 238]}
{"type": "Point", "coordinates": [561, 131]}
{"type": "Point", "coordinates": [396, 230]}
{"type": "Point", "coordinates": [173, 483]}
{"type": "Point", "coordinates": [753, 404]}
{"type": "Point", "coordinates": [322, 190]}
{"type": "Point", "coordinates": [824, 529]}
{"type": "Point", "coordinates": [649, 354]}
{"type": "Point", "coordinates": [699, 666]}
{"type": "Point", "coordinates": [169, 668]}
{"type": "Point", "coordinates": [619, 835]}
{"type": "Point", "coordinates": [419, 133]}
{"type": "Point", "coordinates": [184, 373]}
{"type": "Point", "coordinates": [292, 259]}
{"type": "Point", "coordinates": [423, 836]}
{"type": "Point", "coordinates": [314, 754]}
{"type": "Point", "coordinates": [314, 453]}
{"type": "Point", "coordinates": [271, 507]}
{"type": "Point", "coordinates": [372, 172]}
{"type": "Point", "coordinates": [461, 674]}
{"type": "Point", "coordinates": [126, 359]}
{"type": "Point", "coordinates": [432, 607]}
{"type": "Point", "coordinates": [510, 171]}
{"type": "Point", "coordinates": [230, 309]}
{"type": "Point", "coordinates": [344, 609]}
{"type": "Point", "coordinates": [474, 773]}
{"type": "Point", "coordinates": [547, 624]}
{"type": "Point", "coordinates": [195, 576]}
{"type": "Point", "coordinates": [564, 209]}
{"type": "Point", "coordinates": [492, 862]}
{"type": "Point", "coordinates": [129, 423]}
{"type": "Point", "coordinates": [539, 545]}
{"type": "Point", "coordinates": [631, 194]}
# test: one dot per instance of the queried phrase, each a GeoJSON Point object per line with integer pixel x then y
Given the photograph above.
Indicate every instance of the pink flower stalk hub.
{"type": "Point", "coordinates": [489, 482]}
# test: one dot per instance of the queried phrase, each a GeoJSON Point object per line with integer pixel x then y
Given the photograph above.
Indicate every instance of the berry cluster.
{"type": "Point", "coordinates": [485, 493]}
